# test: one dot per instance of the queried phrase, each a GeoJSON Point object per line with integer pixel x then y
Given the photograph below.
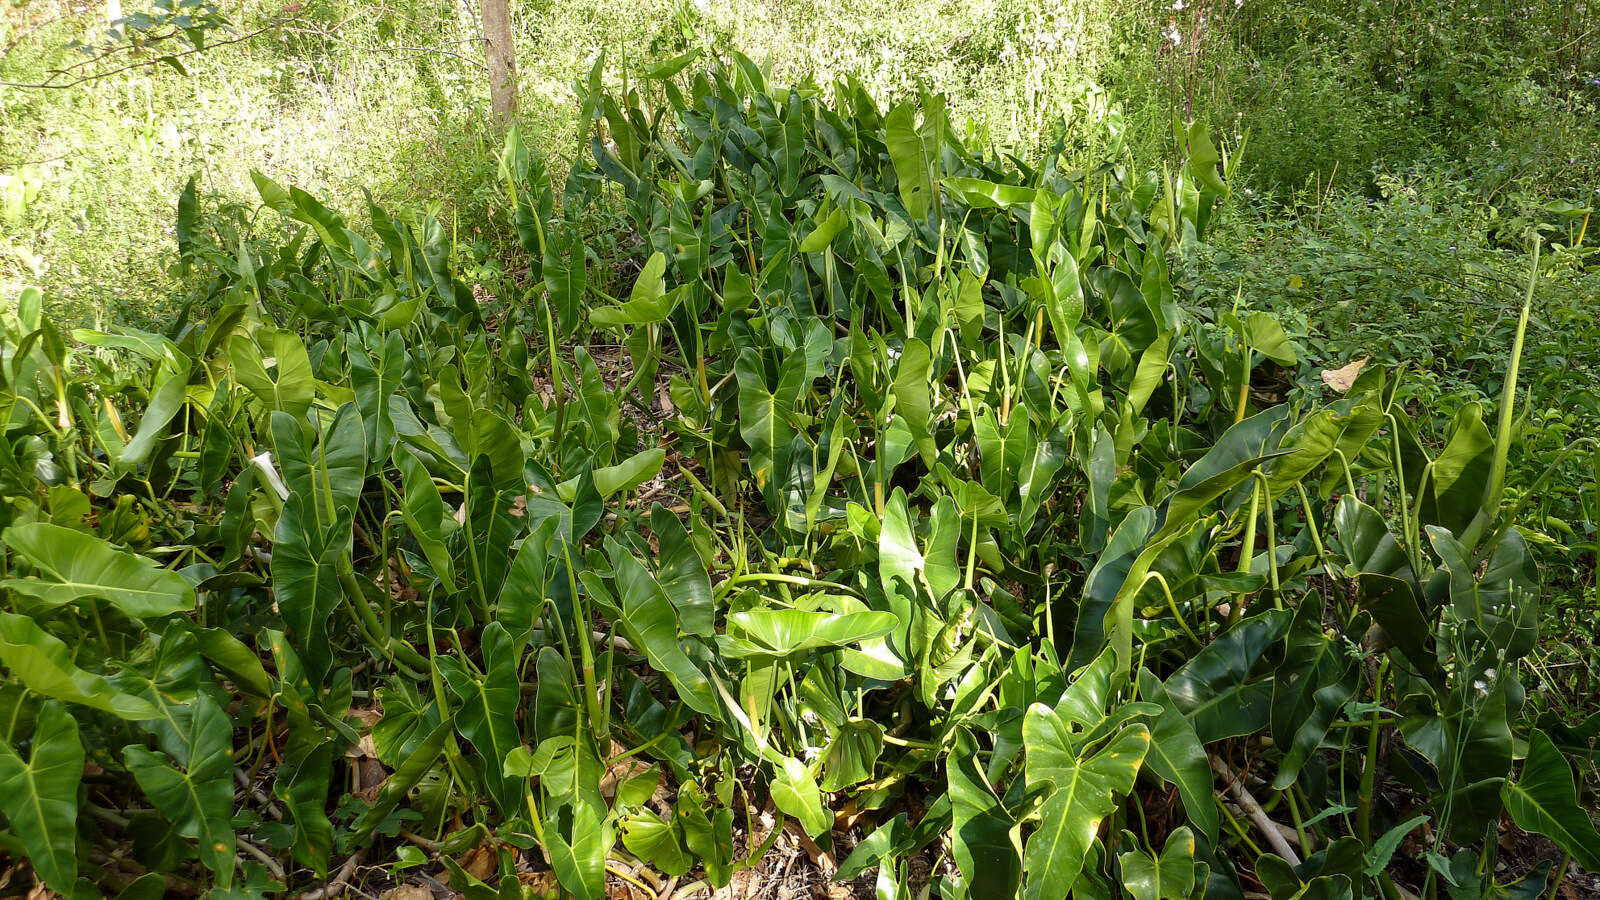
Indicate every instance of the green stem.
{"type": "Point", "coordinates": [1272, 540]}
{"type": "Point", "coordinates": [1369, 766]}
{"type": "Point", "coordinates": [1247, 550]}
{"type": "Point", "coordinates": [1561, 874]}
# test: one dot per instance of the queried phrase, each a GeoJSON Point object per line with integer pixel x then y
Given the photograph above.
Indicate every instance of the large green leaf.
{"type": "Point", "coordinates": [423, 511]}
{"type": "Point", "coordinates": [1106, 581]}
{"type": "Point", "coordinates": [795, 792]}
{"type": "Point", "coordinates": [305, 578]}
{"type": "Point", "coordinates": [1214, 689]}
{"type": "Point", "coordinates": [786, 632]}
{"type": "Point", "coordinates": [375, 373]}
{"type": "Point", "coordinates": [487, 715]}
{"type": "Point", "coordinates": [654, 840]}
{"type": "Point", "coordinates": [291, 385]}
{"type": "Point", "coordinates": [682, 574]}
{"type": "Point", "coordinates": [913, 160]}
{"type": "Point", "coordinates": [764, 414]}
{"type": "Point", "coordinates": [566, 277]}
{"type": "Point", "coordinates": [40, 795]}
{"type": "Point", "coordinates": [913, 395]}
{"type": "Point", "coordinates": [1308, 690]}
{"type": "Point", "coordinates": [1085, 789]}
{"type": "Point", "coordinates": [198, 797]}
{"type": "Point", "coordinates": [74, 565]}
{"type": "Point", "coordinates": [166, 401]}
{"type": "Point", "coordinates": [44, 665]}
{"type": "Point", "coordinates": [1344, 426]}
{"type": "Point", "coordinates": [651, 624]}
{"type": "Point", "coordinates": [1543, 801]}
{"type": "Point", "coordinates": [1177, 755]}
{"type": "Point", "coordinates": [1170, 877]}
{"type": "Point", "coordinates": [1461, 473]}
{"type": "Point", "coordinates": [851, 754]}
{"type": "Point", "coordinates": [983, 836]}
{"type": "Point", "coordinates": [420, 756]}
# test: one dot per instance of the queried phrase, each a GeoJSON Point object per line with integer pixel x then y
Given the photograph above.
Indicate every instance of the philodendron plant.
{"type": "Point", "coordinates": [894, 496]}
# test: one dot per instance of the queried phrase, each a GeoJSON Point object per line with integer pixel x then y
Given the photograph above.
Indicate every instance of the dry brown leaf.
{"type": "Point", "coordinates": [620, 771]}
{"type": "Point", "coordinates": [539, 883]}
{"type": "Point", "coordinates": [480, 862]}
{"type": "Point", "coordinates": [832, 890]}
{"type": "Point", "coordinates": [407, 892]}
{"type": "Point", "coordinates": [1342, 378]}
{"type": "Point", "coordinates": [746, 884]}
{"type": "Point", "coordinates": [820, 858]}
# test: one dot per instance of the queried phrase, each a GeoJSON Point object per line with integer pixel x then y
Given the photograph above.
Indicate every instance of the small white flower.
{"type": "Point", "coordinates": [263, 462]}
{"type": "Point", "coordinates": [1173, 35]}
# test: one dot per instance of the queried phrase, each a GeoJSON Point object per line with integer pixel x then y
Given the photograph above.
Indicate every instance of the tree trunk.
{"type": "Point", "coordinates": [501, 55]}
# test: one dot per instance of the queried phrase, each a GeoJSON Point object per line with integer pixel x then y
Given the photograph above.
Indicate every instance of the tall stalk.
{"type": "Point", "coordinates": [1508, 402]}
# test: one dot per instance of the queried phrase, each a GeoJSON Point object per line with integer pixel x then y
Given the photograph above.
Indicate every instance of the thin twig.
{"type": "Point", "coordinates": [273, 866]}
{"type": "Point", "coordinates": [260, 796]}
{"type": "Point", "coordinates": [141, 64]}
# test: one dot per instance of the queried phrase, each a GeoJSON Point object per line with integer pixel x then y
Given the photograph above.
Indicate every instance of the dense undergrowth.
{"type": "Point", "coordinates": [897, 493]}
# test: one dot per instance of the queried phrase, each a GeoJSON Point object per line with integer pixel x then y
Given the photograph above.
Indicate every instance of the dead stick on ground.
{"type": "Point", "coordinates": [1263, 823]}
{"type": "Point", "coordinates": [340, 881]}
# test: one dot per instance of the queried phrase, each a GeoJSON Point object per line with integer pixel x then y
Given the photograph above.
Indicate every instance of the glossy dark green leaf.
{"type": "Point", "coordinates": [1214, 689]}
{"type": "Point", "coordinates": [305, 560]}
{"type": "Point", "coordinates": [419, 758]}
{"type": "Point", "coordinates": [1105, 581]}
{"type": "Point", "coordinates": [424, 514]}
{"type": "Point", "coordinates": [1308, 690]}
{"type": "Point", "coordinates": [1235, 456]}
{"type": "Point", "coordinates": [1461, 473]}
{"type": "Point", "coordinates": [651, 624]}
{"type": "Point", "coordinates": [235, 660]}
